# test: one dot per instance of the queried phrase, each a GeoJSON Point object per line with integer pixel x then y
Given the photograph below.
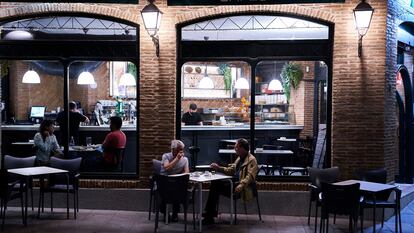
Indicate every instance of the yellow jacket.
{"type": "Point", "coordinates": [247, 175]}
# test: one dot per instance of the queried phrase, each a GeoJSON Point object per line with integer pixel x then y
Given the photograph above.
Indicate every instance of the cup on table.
{"type": "Point", "coordinates": [88, 141]}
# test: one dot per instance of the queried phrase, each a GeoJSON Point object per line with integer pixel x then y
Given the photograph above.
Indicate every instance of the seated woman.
{"type": "Point", "coordinates": [46, 143]}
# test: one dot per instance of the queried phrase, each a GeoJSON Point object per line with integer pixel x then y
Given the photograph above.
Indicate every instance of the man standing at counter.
{"type": "Point", "coordinates": [75, 118]}
{"type": "Point", "coordinates": [191, 117]}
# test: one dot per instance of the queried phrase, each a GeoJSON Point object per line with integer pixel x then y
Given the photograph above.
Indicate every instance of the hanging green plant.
{"type": "Point", "coordinates": [291, 76]}
{"type": "Point", "coordinates": [225, 70]}
{"type": "Point", "coordinates": [132, 69]}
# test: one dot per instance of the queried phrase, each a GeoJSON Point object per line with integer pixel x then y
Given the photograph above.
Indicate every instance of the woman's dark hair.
{"type": "Point", "coordinates": [116, 121]}
{"type": "Point", "coordinates": [44, 125]}
{"type": "Point", "coordinates": [243, 143]}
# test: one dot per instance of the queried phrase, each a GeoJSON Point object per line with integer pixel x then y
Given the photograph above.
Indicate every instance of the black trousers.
{"type": "Point", "coordinates": [217, 188]}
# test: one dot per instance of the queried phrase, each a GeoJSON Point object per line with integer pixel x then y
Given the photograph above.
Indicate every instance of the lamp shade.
{"type": "Point", "coordinates": [127, 79]}
{"type": "Point", "coordinates": [31, 76]}
{"type": "Point", "coordinates": [275, 85]}
{"type": "Point", "coordinates": [151, 16]}
{"type": "Point", "coordinates": [86, 78]}
{"type": "Point", "coordinates": [206, 83]}
{"type": "Point", "coordinates": [241, 83]}
{"type": "Point", "coordinates": [362, 17]}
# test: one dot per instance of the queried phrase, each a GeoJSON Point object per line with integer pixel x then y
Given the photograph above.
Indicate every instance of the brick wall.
{"type": "Point", "coordinates": [363, 107]}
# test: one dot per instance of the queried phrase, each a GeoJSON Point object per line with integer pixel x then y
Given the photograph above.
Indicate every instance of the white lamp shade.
{"type": "Point", "coordinates": [362, 17]}
{"type": "Point", "coordinates": [241, 83]}
{"type": "Point", "coordinates": [31, 76]}
{"type": "Point", "coordinates": [86, 78]}
{"type": "Point", "coordinates": [151, 16]}
{"type": "Point", "coordinates": [127, 79]}
{"type": "Point", "coordinates": [18, 35]}
{"type": "Point", "coordinates": [206, 83]}
{"type": "Point", "coordinates": [275, 85]}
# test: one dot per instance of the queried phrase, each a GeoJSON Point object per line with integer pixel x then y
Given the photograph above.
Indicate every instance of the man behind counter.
{"type": "Point", "coordinates": [75, 117]}
{"type": "Point", "coordinates": [191, 117]}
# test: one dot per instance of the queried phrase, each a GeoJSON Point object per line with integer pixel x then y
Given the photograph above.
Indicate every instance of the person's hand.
{"type": "Point", "coordinates": [214, 166]}
{"type": "Point", "coordinates": [46, 133]}
{"type": "Point", "coordinates": [180, 155]}
{"type": "Point", "coordinates": [239, 188]}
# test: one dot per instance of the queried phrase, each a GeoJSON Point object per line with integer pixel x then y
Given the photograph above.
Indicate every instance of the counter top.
{"type": "Point", "coordinates": [240, 127]}
{"type": "Point", "coordinates": [81, 128]}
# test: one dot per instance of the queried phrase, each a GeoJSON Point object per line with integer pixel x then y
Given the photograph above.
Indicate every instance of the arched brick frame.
{"type": "Point", "coordinates": [286, 9]}
{"type": "Point", "coordinates": [48, 8]}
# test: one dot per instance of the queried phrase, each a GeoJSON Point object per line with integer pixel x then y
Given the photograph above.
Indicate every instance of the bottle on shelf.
{"type": "Point", "coordinates": [72, 141]}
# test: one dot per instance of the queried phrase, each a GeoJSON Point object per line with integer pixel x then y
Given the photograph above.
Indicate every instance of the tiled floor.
{"type": "Point", "coordinates": [103, 221]}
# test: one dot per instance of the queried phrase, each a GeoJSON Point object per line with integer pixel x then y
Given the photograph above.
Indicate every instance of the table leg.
{"type": "Point", "coordinates": [200, 203]}
{"type": "Point", "coordinates": [231, 202]}
{"type": "Point", "coordinates": [25, 201]}
{"type": "Point", "coordinates": [67, 196]}
{"type": "Point", "coordinates": [375, 205]}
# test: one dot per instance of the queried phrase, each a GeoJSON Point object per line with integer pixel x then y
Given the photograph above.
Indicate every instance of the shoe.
{"type": "Point", "coordinates": [174, 217]}
{"type": "Point", "coordinates": [208, 220]}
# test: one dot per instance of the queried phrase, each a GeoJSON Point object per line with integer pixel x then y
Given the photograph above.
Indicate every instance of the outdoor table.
{"type": "Point", "coordinates": [202, 178]}
{"type": "Point", "coordinates": [29, 172]}
{"type": "Point", "coordinates": [371, 188]}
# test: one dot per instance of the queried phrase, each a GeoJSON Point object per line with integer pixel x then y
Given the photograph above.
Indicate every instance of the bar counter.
{"type": "Point", "coordinates": [81, 128]}
{"type": "Point", "coordinates": [212, 138]}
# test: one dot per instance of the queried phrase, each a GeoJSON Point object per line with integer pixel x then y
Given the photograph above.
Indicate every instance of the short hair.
{"type": "Point", "coordinates": [243, 143]}
{"type": "Point", "coordinates": [72, 105]}
{"type": "Point", "coordinates": [177, 143]}
{"type": "Point", "coordinates": [116, 121]}
{"type": "Point", "coordinates": [193, 106]}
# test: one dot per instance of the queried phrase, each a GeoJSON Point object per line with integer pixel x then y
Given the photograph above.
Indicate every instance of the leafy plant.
{"type": "Point", "coordinates": [225, 70]}
{"type": "Point", "coordinates": [291, 76]}
{"type": "Point", "coordinates": [132, 69]}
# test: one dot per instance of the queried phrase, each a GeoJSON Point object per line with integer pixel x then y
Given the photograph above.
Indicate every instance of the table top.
{"type": "Point", "coordinates": [367, 186]}
{"type": "Point", "coordinates": [35, 171]}
{"type": "Point", "coordinates": [259, 151]}
{"type": "Point", "coordinates": [23, 143]}
{"type": "Point", "coordinates": [286, 139]}
{"type": "Point", "coordinates": [85, 148]}
{"type": "Point", "coordinates": [210, 177]}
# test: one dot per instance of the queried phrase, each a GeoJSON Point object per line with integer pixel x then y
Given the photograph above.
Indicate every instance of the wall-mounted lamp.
{"type": "Point", "coordinates": [31, 77]}
{"type": "Point", "coordinates": [362, 17]}
{"type": "Point", "coordinates": [151, 16]}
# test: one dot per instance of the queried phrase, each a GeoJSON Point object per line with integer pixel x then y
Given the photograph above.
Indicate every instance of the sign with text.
{"type": "Point", "coordinates": [78, 1]}
{"type": "Point", "coordinates": [244, 2]}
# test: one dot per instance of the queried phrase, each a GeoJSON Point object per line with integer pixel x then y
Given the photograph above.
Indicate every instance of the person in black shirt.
{"type": "Point", "coordinates": [192, 117]}
{"type": "Point", "coordinates": [75, 117]}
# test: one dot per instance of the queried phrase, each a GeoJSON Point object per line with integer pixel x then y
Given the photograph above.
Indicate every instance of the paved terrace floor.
{"type": "Point", "coordinates": [105, 221]}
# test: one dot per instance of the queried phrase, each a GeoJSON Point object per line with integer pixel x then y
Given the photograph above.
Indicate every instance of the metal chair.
{"type": "Point", "coordinates": [156, 164]}
{"type": "Point", "coordinates": [342, 200]}
{"type": "Point", "coordinates": [57, 183]}
{"type": "Point", "coordinates": [237, 196]}
{"type": "Point", "coordinates": [11, 162]}
{"type": "Point", "coordinates": [8, 193]}
{"type": "Point", "coordinates": [317, 176]}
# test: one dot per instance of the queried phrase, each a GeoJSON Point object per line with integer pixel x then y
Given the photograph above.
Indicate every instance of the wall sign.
{"type": "Point", "coordinates": [78, 1]}
{"type": "Point", "coordinates": [244, 2]}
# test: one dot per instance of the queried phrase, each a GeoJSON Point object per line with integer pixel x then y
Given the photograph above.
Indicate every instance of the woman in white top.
{"type": "Point", "coordinates": [46, 143]}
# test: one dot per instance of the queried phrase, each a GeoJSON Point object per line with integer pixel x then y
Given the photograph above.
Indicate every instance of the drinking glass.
{"type": "Point", "coordinates": [88, 141]}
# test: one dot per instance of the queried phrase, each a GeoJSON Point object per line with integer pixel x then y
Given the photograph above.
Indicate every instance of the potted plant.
{"type": "Point", "coordinates": [291, 76]}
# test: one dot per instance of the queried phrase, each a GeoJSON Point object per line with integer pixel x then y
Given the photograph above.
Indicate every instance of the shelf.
{"type": "Point", "coordinates": [271, 104]}
{"type": "Point", "coordinates": [278, 93]}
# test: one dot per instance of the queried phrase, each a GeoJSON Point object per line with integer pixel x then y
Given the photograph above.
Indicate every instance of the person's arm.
{"type": "Point", "coordinates": [186, 168]}
{"type": "Point", "coordinates": [55, 144]}
{"type": "Point", "coordinates": [86, 120]}
{"type": "Point", "coordinates": [170, 165]}
{"type": "Point", "coordinates": [40, 144]}
{"type": "Point", "coordinates": [229, 170]}
{"type": "Point", "coordinates": [182, 123]}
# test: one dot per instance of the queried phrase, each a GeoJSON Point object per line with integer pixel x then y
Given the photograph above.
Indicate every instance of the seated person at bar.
{"type": "Point", "coordinates": [174, 162]}
{"type": "Point", "coordinates": [46, 143]}
{"type": "Point", "coordinates": [191, 117]}
{"type": "Point", "coordinates": [75, 117]}
{"type": "Point", "coordinates": [244, 170]}
{"type": "Point", "coordinates": [114, 141]}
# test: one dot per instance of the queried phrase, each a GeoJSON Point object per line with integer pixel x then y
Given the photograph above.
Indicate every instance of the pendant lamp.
{"type": "Point", "coordinates": [206, 82]}
{"type": "Point", "coordinates": [127, 79]}
{"type": "Point", "coordinates": [31, 76]}
{"type": "Point", "coordinates": [86, 78]}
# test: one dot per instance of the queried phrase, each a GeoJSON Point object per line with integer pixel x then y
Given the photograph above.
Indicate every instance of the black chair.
{"type": "Point", "coordinates": [382, 199]}
{"type": "Point", "coordinates": [8, 192]}
{"type": "Point", "coordinates": [317, 176]}
{"type": "Point", "coordinates": [11, 162]}
{"type": "Point", "coordinates": [173, 190]}
{"type": "Point", "coordinates": [342, 200]}
{"type": "Point", "coordinates": [303, 157]}
{"type": "Point", "coordinates": [57, 183]}
{"type": "Point", "coordinates": [237, 196]}
{"type": "Point", "coordinates": [117, 163]}
{"type": "Point", "coordinates": [156, 164]}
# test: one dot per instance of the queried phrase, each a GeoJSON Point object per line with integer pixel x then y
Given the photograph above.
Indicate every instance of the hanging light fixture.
{"type": "Point", "coordinates": [206, 82]}
{"type": "Point", "coordinates": [241, 83]}
{"type": "Point", "coordinates": [275, 84]}
{"type": "Point", "coordinates": [127, 79]}
{"type": "Point", "coordinates": [362, 17]}
{"type": "Point", "coordinates": [31, 76]}
{"type": "Point", "coordinates": [86, 78]}
{"type": "Point", "coordinates": [151, 16]}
